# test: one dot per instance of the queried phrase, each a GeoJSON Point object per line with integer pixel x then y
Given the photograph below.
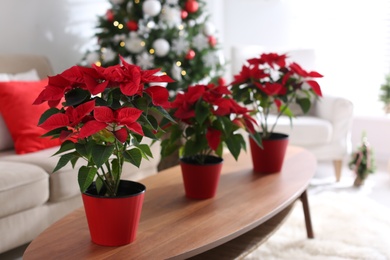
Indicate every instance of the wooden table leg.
{"type": "Point", "coordinates": [306, 211]}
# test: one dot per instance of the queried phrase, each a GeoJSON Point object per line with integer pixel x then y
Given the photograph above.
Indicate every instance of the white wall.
{"type": "Point", "coordinates": [59, 29]}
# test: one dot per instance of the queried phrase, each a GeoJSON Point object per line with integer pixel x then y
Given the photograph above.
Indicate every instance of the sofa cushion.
{"type": "Point", "coordinates": [21, 117]}
{"type": "Point", "coordinates": [306, 130]}
{"type": "Point", "coordinates": [22, 186]}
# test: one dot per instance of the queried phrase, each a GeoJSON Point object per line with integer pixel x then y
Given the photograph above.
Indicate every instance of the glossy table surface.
{"type": "Point", "coordinates": [175, 227]}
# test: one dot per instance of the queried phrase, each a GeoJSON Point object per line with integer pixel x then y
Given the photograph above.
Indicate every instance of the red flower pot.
{"type": "Point", "coordinates": [269, 159]}
{"type": "Point", "coordinates": [113, 221]}
{"type": "Point", "coordinates": [201, 180]}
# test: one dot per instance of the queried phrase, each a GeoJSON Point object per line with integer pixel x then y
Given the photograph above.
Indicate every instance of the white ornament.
{"type": "Point", "coordinates": [134, 43]}
{"type": "Point", "coordinates": [109, 55]}
{"type": "Point", "coordinates": [209, 29]}
{"type": "Point", "coordinates": [171, 16]}
{"type": "Point", "coordinates": [128, 59]}
{"type": "Point", "coordinates": [210, 59]}
{"type": "Point", "coordinates": [180, 45]}
{"type": "Point", "coordinates": [91, 58]}
{"type": "Point", "coordinates": [151, 7]}
{"type": "Point", "coordinates": [200, 42]}
{"type": "Point", "coordinates": [161, 47]}
{"type": "Point", "coordinates": [116, 2]}
{"type": "Point", "coordinates": [145, 60]}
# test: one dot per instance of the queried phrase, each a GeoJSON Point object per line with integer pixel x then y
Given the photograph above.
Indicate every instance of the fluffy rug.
{"type": "Point", "coordinates": [346, 226]}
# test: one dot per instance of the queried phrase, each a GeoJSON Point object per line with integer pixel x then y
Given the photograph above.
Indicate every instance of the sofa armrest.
{"type": "Point", "coordinates": [338, 111]}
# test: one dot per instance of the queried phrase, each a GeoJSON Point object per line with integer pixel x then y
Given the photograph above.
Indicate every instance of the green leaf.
{"type": "Point", "coordinates": [86, 177]}
{"type": "Point", "coordinates": [201, 112]}
{"type": "Point", "coordinates": [65, 146]}
{"type": "Point", "coordinates": [304, 103]}
{"type": "Point", "coordinates": [141, 103]}
{"type": "Point", "coordinates": [133, 156]}
{"type": "Point", "coordinates": [48, 113]}
{"type": "Point", "coordinates": [64, 160]}
{"type": "Point", "coordinates": [99, 184]}
{"type": "Point", "coordinates": [234, 145]}
{"type": "Point", "coordinates": [76, 96]}
{"type": "Point", "coordinates": [145, 151]}
{"type": "Point", "coordinates": [101, 154]}
{"type": "Point", "coordinates": [163, 112]}
{"type": "Point", "coordinates": [116, 169]}
{"type": "Point", "coordinates": [82, 150]}
{"type": "Point", "coordinates": [153, 122]}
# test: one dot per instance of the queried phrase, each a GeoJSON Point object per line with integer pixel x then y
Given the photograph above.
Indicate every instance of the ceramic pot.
{"type": "Point", "coordinates": [113, 221]}
{"type": "Point", "coordinates": [269, 159]}
{"type": "Point", "coordinates": [201, 180]}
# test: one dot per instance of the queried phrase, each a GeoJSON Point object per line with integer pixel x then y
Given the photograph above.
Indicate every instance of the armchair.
{"type": "Point", "coordinates": [325, 130]}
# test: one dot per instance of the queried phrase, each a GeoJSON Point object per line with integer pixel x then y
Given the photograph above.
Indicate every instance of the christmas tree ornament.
{"type": "Point", "coordinates": [171, 16]}
{"type": "Point", "coordinates": [190, 55]}
{"type": "Point", "coordinates": [200, 42]}
{"type": "Point", "coordinates": [145, 60]}
{"type": "Point", "coordinates": [109, 55]}
{"type": "Point", "coordinates": [180, 45]}
{"type": "Point", "coordinates": [184, 14]}
{"type": "Point", "coordinates": [161, 47]}
{"type": "Point", "coordinates": [151, 7]}
{"type": "Point", "coordinates": [212, 41]}
{"type": "Point", "coordinates": [209, 29]}
{"type": "Point", "coordinates": [134, 43]}
{"type": "Point", "coordinates": [132, 25]}
{"type": "Point", "coordinates": [110, 15]}
{"type": "Point", "coordinates": [191, 6]}
{"type": "Point", "coordinates": [176, 72]}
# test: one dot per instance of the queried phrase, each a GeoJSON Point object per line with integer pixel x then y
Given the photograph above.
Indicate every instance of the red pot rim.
{"type": "Point", "coordinates": [131, 189]}
{"type": "Point", "coordinates": [210, 160]}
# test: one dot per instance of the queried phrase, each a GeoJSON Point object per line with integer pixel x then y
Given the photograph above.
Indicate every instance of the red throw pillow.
{"type": "Point", "coordinates": [21, 116]}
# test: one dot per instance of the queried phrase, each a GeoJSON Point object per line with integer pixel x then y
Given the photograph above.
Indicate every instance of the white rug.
{"type": "Point", "coordinates": [346, 226]}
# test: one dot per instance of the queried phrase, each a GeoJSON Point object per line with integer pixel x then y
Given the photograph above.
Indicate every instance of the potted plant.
{"type": "Point", "coordinates": [272, 83]}
{"type": "Point", "coordinates": [101, 116]}
{"type": "Point", "coordinates": [208, 120]}
{"type": "Point", "coordinates": [362, 161]}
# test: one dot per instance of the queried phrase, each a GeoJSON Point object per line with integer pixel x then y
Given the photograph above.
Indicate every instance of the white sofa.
{"type": "Point", "coordinates": [325, 130]}
{"type": "Point", "coordinates": [31, 196]}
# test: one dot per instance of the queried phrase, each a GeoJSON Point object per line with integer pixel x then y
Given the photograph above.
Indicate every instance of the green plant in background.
{"type": "Point", "coordinates": [174, 35]}
{"type": "Point", "coordinates": [384, 94]}
{"type": "Point", "coordinates": [362, 161]}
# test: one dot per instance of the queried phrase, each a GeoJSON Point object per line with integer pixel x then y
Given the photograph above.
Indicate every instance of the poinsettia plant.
{"type": "Point", "coordinates": [208, 120]}
{"type": "Point", "coordinates": [273, 81]}
{"type": "Point", "coordinates": [101, 115]}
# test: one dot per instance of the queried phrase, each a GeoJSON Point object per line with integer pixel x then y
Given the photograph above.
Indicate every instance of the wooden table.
{"type": "Point", "coordinates": [174, 227]}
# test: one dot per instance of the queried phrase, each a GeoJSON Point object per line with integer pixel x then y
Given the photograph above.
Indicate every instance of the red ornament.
{"type": "Point", "coordinates": [132, 25]}
{"type": "Point", "coordinates": [212, 41]}
{"type": "Point", "coordinates": [190, 55]}
{"type": "Point", "coordinates": [110, 15]}
{"type": "Point", "coordinates": [221, 82]}
{"type": "Point", "coordinates": [191, 6]}
{"type": "Point", "coordinates": [184, 14]}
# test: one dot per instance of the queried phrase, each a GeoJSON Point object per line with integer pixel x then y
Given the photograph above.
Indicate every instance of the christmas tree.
{"type": "Point", "coordinates": [362, 161]}
{"type": "Point", "coordinates": [174, 35]}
